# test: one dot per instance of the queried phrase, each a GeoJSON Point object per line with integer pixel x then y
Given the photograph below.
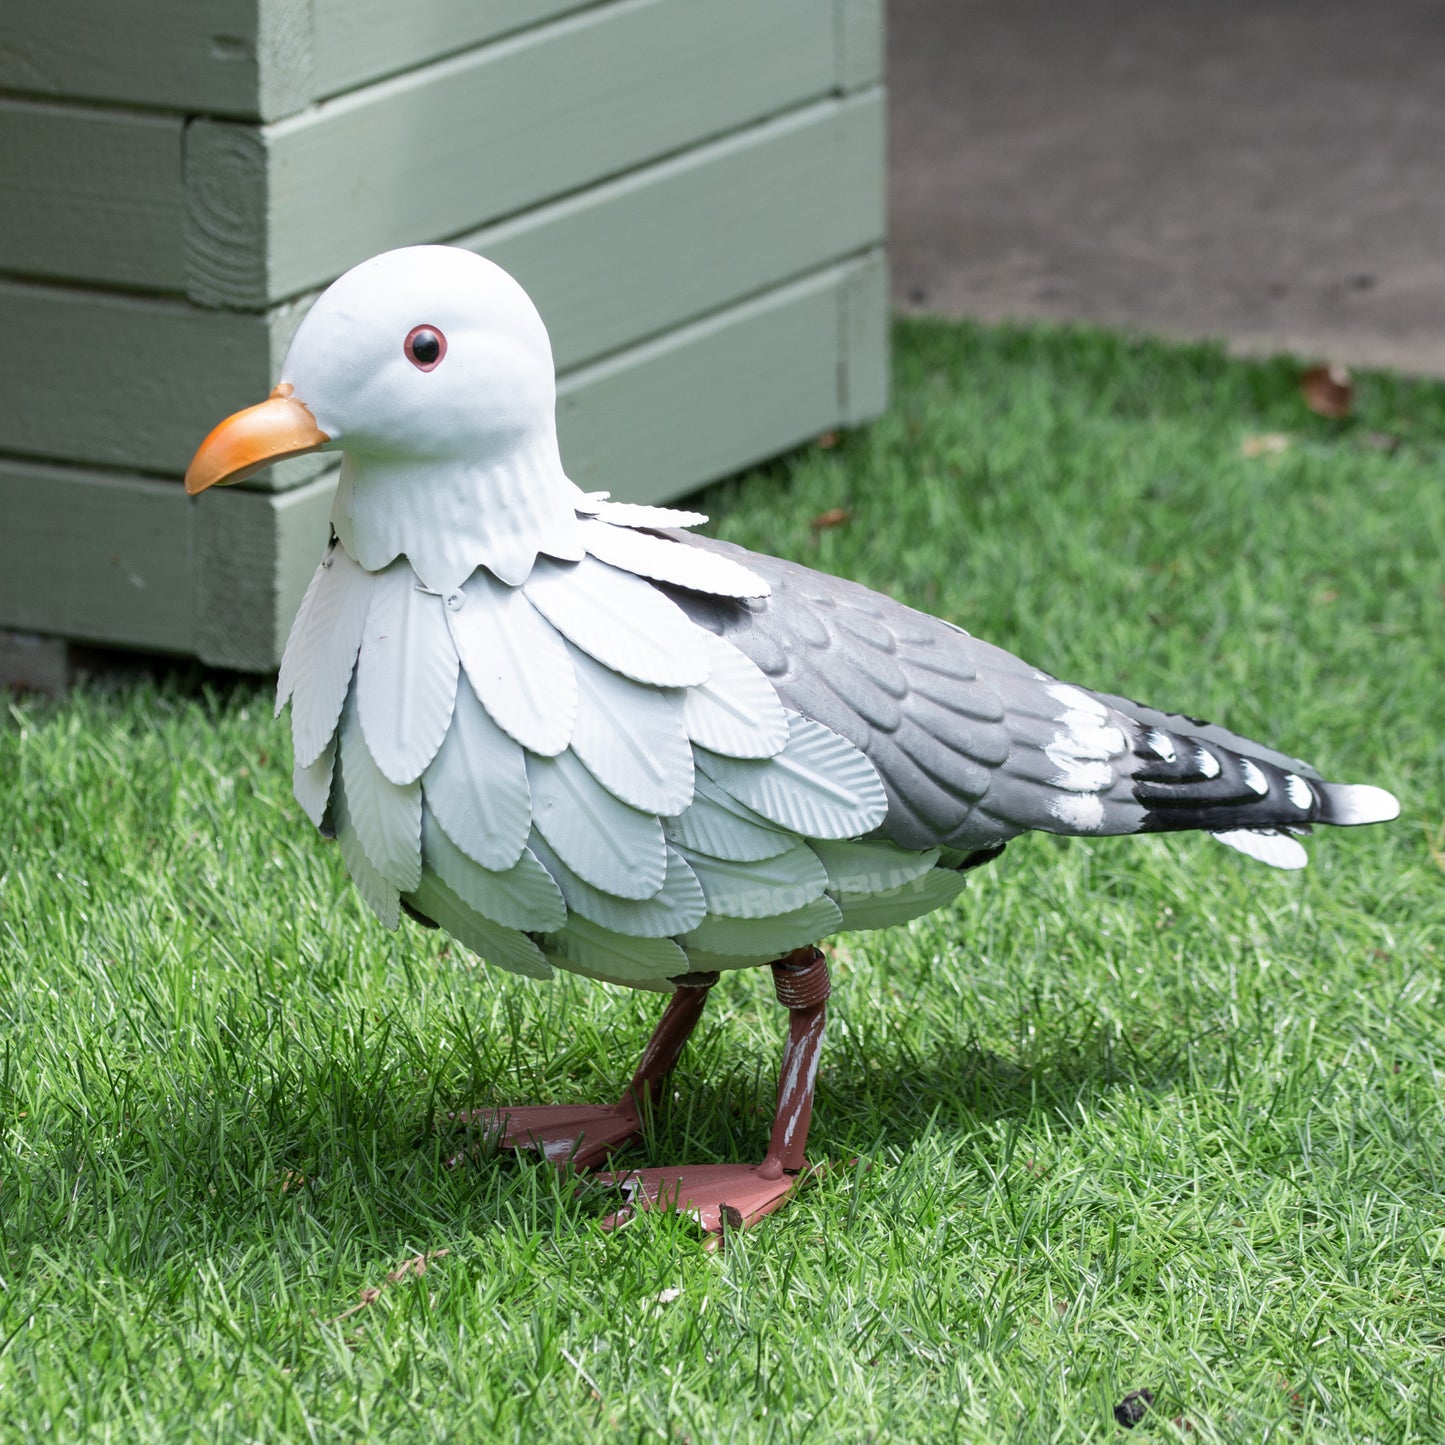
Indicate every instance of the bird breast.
{"type": "Point", "coordinates": [573, 771]}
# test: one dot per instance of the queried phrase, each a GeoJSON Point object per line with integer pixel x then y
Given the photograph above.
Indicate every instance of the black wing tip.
{"type": "Point", "coordinates": [1185, 782]}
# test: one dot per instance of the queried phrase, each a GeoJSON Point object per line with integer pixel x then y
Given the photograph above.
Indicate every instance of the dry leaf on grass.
{"type": "Point", "coordinates": [412, 1268]}
{"type": "Point", "coordinates": [415, 1266]}
{"type": "Point", "coordinates": [1328, 391]}
{"type": "Point", "coordinates": [1265, 444]}
{"type": "Point", "coordinates": [828, 440]}
{"type": "Point", "coordinates": [833, 517]}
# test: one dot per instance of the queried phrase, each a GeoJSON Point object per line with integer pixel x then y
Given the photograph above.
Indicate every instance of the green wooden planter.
{"type": "Point", "coordinates": [691, 192]}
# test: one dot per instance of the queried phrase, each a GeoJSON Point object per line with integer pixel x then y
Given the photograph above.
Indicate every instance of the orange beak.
{"type": "Point", "coordinates": [244, 443]}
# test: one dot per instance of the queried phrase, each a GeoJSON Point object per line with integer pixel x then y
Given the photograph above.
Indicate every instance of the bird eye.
{"type": "Point", "coordinates": [424, 347]}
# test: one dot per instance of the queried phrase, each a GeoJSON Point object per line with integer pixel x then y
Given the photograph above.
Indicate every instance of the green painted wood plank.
{"type": "Point", "coordinates": [859, 33]}
{"type": "Point", "coordinates": [135, 382]}
{"type": "Point", "coordinates": [445, 148]}
{"type": "Point", "coordinates": [97, 558]}
{"type": "Point", "coordinates": [92, 195]}
{"type": "Point", "coordinates": [864, 378]}
{"type": "Point", "coordinates": [253, 555]}
{"type": "Point", "coordinates": [662, 245]}
{"type": "Point", "coordinates": [127, 381]}
{"type": "Point", "coordinates": [264, 59]}
{"type": "Point", "coordinates": [660, 419]}
{"type": "Point", "coordinates": [215, 57]}
{"type": "Point", "coordinates": [358, 41]}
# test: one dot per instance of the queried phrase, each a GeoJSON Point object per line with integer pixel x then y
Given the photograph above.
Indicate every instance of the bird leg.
{"type": "Point", "coordinates": [734, 1196]}
{"type": "Point", "coordinates": [585, 1134]}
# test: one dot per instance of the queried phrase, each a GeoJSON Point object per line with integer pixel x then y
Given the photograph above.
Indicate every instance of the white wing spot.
{"type": "Point", "coordinates": [1160, 744]}
{"type": "Point", "coordinates": [1209, 766]}
{"type": "Point", "coordinates": [1081, 750]}
{"type": "Point", "coordinates": [1298, 790]}
{"type": "Point", "coordinates": [1077, 701]}
{"type": "Point", "coordinates": [1254, 780]}
{"type": "Point", "coordinates": [1081, 811]}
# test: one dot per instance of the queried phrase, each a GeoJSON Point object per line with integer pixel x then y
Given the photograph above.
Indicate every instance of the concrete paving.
{"type": "Point", "coordinates": [1267, 171]}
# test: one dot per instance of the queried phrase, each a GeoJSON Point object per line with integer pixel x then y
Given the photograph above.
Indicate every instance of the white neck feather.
{"type": "Point", "coordinates": [450, 517]}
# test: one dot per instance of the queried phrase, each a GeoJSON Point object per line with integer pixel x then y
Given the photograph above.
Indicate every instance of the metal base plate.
{"type": "Point", "coordinates": [718, 1196]}
{"type": "Point", "coordinates": [577, 1134]}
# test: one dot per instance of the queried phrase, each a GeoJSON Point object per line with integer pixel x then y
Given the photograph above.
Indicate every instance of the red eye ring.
{"type": "Point", "coordinates": [424, 347]}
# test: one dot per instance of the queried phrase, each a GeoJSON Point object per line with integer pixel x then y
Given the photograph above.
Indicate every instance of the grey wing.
{"type": "Point", "coordinates": [975, 746]}
{"type": "Point", "coordinates": [959, 730]}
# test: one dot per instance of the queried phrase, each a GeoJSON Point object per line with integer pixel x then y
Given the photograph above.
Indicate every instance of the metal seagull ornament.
{"type": "Point", "coordinates": [576, 736]}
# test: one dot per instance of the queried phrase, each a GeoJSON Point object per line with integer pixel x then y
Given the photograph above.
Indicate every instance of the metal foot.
{"type": "Point", "coordinates": [581, 1135]}
{"type": "Point", "coordinates": [734, 1196]}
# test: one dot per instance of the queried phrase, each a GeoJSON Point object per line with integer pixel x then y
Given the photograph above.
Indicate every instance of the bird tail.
{"type": "Point", "coordinates": [1194, 776]}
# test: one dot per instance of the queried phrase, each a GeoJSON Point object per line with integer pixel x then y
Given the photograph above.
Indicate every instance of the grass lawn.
{"type": "Point", "coordinates": [1138, 1114]}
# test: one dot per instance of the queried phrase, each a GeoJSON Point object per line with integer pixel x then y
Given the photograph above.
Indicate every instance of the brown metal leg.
{"type": "Point", "coordinates": [665, 1046]}
{"type": "Point", "coordinates": [803, 987]}
{"type": "Point", "coordinates": [582, 1135]}
{"type": "Point", "coordinates": [737, 1195]}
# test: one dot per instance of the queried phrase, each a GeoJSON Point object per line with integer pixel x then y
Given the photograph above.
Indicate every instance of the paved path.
{"type": "Point", "coordinates": [1271, 171]}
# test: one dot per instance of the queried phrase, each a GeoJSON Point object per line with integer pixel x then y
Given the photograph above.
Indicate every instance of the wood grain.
{"type": "Point", "coordinates": [126, 381]}
{"type": "Point", "coordinates": [864, 377]}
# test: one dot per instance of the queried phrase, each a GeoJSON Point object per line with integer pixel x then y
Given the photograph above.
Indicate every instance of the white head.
{"type": "Point", "coordinates": [425, 353]}
{"type": "Point", "coordinates": [430, 370]}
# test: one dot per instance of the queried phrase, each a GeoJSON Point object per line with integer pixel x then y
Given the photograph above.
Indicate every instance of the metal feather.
{"type": "Point", "coordinates": [762, 889]}
{"type": "Point", "coordinates": [871, 866]}
{"type": "Point", "coordinates": [381, 896]}
{"type": "Point", "coordinates": [586, 948]}
{"type": "Point", "coordinates": [504, 947]}
{"type": "Point", "coordinates": [477, 787]}
{"type": "Point", "coordinates": [722, 827]}
{"type": "Point", "coordinates": [406, 674]}
{"type": "Point", "coordinates": [606, 843]}
{"type": "Point", "coordinates": [631, 738]}
{"type": "Point", "coordinates": [286, 673]}
{"type": "Point", "coordinates": [312, 786]}
{"type": "Point", "coordinates": [676, 907]}
{"type": "Point", "coordinates": [321, 652]}
{"type": "Point", "coordinates": [638, 514]}
{"type": "Point", "coordinates": [911, 900]}
{"type": "Point", "coordinates": [736, 712]}
{"type": "Point", "coordinates": [820, 785]}
{"type": "Point", "coordinates": [646, 555]}
{"type": "Point", "coordinates": [516, 663]}
{"type": "Point", "coordinates": [386, 816]}
{"type": "Point", "coordinates": [621, 620]}
{"type": "Point", "coordinates": [525, 896]}
{"type": "Point", "coordinates": [766, 937]}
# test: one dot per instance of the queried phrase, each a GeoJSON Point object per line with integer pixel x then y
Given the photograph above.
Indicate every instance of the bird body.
{"type": "Point", "coordinates": [637, 780]}
{"type": "Point", "coordinates": [575, 735]}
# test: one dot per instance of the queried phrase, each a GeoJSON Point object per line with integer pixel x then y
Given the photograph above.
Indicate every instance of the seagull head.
{"type": "Point", "coordinates": [430, 370]}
